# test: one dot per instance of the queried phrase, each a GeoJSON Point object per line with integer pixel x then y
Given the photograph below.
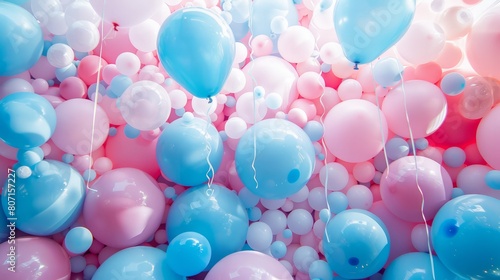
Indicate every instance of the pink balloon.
{"type": "Point", "coordinates": [75, 128]}
{"type": "Point", "coordinates": [355, 130]}
{"type": "Point", "coordinates": [124, 207]}
{"type": "Point", "coordinates": [400, 191]}
{"type": "Point", "coordinates": [89, 67]}
{"type": "Point", "coordinates": [471, 181]}
{"type": "Point", "coordinates": [38, 258]}
{"type": "Point", "coordinates": [488, 137]}
{"type": "Point", "coordinates": [245, 265]}
{"type": "Point", "coordinates": [73, 87]}
{"type": "Point", "coordinates": [426, 107]}
{"type": "Point", "coordinates": [310, 85]}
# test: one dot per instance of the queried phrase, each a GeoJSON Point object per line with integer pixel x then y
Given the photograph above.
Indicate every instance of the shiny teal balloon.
{"type": "Point", "coordinates": [196, 48]}
{"type": "Point", "coordinates": [188, 253]}
{"type": "Point", "coordinates": [21, 39]}
{"type": "Point", "coordinates": [417, 265]}
{"type": "Point", "coordinates": [367, 28]}
{"type": "Point", "coordinates": [466, 236]}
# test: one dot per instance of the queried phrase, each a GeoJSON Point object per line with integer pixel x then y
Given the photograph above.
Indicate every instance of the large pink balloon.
{"type": "Point", "coordinates": [355, 130]}
{"type": "Point", "coordinates": [400, 191]}
{"type": "Point", "coordinates": [38, 258]}
{"type": "Point", "coordinates": [246, 265]}
{"type": "Point", "coordinates": [75, 128]}
{"type": "Point", "coordinates": [124, 207]}
{"type": "Point", "coordinates": [425, 104]}
{"type": "Point", "coordinates": [488, 138]}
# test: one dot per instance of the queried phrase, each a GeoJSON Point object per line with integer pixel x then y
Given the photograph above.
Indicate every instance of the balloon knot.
{"type": "Point", "coordinates": [356, 66]}
{"type": "Point", "coordinates": [210, 100]}
{"type": "Point", "coordinates": [115, 26]}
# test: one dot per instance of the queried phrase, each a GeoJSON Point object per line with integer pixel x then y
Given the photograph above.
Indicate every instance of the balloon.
{"type": "Point", "coordinates": [279, 163]}
{"type": "Point", "coordinates": [27, 120]}
{"type": "Point", "coordinates": [466, 218]}
{"type": "Point", "coordinates": [43, 214]}
{"type": "Point", "coordinates": [487, 137]}
{"type": "Point", "coordinates": [38, 257]}
{"type": "Point", "coordinates": [356, 244]}
{"type": "Point", "coordinates": [417, 265]}
{"type": "Point", "coordinates": [78, 240]}
{"type": "Point", "coordinates": [196, 48]}
{"type": "Point", "coordinates": [214, 212]}
{"type": "Point", "coordinates": [367, 28]}
{"type": "Point", "coordinates": [189, 151]}
{"type": "Point", "coordinates": [422, 43]}
{"type": "Point", "coordinates": [140, 262]}
{"type": "Point", "coordinates": [125, 13]}
{"type": "Point", "coordinates": [123, 207]}
{"type": "Point", "coordinates": [349, 124]}
{"type": "Point", "coordinates": [21, 41]}
{"type": "Point", "coordinates": [248, 265]}
{"type": "Point", "coordinates": [388, 72]}
{"type": "Point", "coordinates": [188, 253]}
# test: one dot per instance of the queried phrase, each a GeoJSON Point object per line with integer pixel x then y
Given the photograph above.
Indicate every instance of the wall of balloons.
{"type": "Point", "coordinates": [239, 139]}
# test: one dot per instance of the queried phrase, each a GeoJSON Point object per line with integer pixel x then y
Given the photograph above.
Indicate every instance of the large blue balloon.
{"type": "Point", "coordinates": [21, 39]}
{"type": "Point", "coordinates": [417, 265]}
{"type": "Point", "coordinates": [367, 28]}
{"type": "Point", "coordinates": [216, 213]}
{"type": "Point", "coordinates": [140, 262]}
{"type": "Point", "coordinates": [48, 201]}
{"type": "Point", "coordinates": [284, 158]}
{"type": "Point", "coordinates": [27, 120]}
{"type": "Point", "coordinates": [466, 236]}
{"type": "Point", "coordinates": [186, 149]}
{"type": "Point", "coordinates": [196, 48]}
{"type": "Point", "coordinates": [356, 244]}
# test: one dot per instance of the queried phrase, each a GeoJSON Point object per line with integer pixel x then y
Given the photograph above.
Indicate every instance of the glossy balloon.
{"type": "Point", "coordinates": [417, 265]}
{"type": "Point", "coordinates": [196, 47]}
{"type": "Point", "coordinates": [188, 253]}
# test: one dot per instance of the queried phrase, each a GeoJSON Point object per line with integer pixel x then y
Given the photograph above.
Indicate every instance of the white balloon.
{"type": "Point", "coordinates": [81, 10]}
{"type": "Point", "coordinates": [235, 127]}
{"type": "Point", "coordinates": [60, 55]}
{"type": "Point", "coordinates": [143, 36]}
{"type": "Point", "coordinates": [126, 13]}
{"type": "Point", "coordinates": [83, 36]}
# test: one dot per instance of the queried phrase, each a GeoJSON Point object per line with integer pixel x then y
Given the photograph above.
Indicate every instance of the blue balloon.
{"type": "Point", "coordinates": [140, 262]}
{"type": "Point", "coordinates": [284, 158]}
{"type": "Point", "coordinates": [356, 244]}
{"type": "Point", "coordinates": [216, 213]}
{"type": "Point", "coordinates": [367, 28]}
{"type": "Point", "coordinates": [453, 83]}
{"type": "Point", "coordinates": [27, 120]}
{"type": "Point", "coordinates": [21, 39]}
{"type": "Point", "coordinates": [188, 150]}
{"type": "Point", "coordinates": [492, 179]}
{"type": "Point", "coordinates": [78, 240]}
{"type": "Point", "coordinates": [196, 48]}
{"type": "Point", "coordinates": [188, 253]}
{"type": "Point", "coordinates": [466, 236]}
{"type": "Point", "coordinates": [48, 201]}
{"type": "Point", "coordinates": [417, 265]}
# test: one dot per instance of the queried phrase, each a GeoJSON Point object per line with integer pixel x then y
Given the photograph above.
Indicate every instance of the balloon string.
{"type": "Point", "coordinates": [254, 84]}
{"type": "Point", "coordinates": [211, 170]}
{"type": "Point", "coordinates": [412, 140]}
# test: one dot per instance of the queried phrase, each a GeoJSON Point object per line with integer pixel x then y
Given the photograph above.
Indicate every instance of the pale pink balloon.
{"type": "Point", "coordinates": [246, 265]}
{"type": "Point", "coordinates": [75, 128]}
{"type": "Point", "coordinates": [422, 43]}
{"type": "Point", "coordinates": [73, 87]}
{"type": "Point", "coordinates": [350, 89]}
{"type": "Point", "coordinates": [488, 138]}
{"type": "Point", "coordinates": [403, 195]}
{"type": "Point", "coordinates": [38, 258]}
{"type": "Point", "coordinates": [483, 45]}
{"type": "Point", "coordinates": [108, 104]}
{"type": "Point", "coordinates": [355, 130]}
{"type": "Point", "coordinates": [450, 56]}
{"type": "Point", "coordinates": [296, 44]}
{"type": "Point", "coordinates": [115, 43]}
{"type": "Point", "coordinates": [261, 45]}
{"type": "Point", "coordinates": [425, 105]}
{"type": "Point", "coordinates": [126, 12]}
{"type": "Point", "coordinates": [307, 106]}
{"type": "Point", "coordinates": [456, 22]}
{"type": "Point", "coordinates": [471, 180]}
{"type": "Point", "coordinates": [43, 70]}
{"type": "Point", "coordinates": [123, 207]}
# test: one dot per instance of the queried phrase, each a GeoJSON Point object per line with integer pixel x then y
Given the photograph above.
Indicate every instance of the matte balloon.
{"type": "Point", "coordinates": [367, 28]}
{"type": "Point", "coordinates": [487, 137]}
{"type": "Point", "coordinates": [196, 48]}
{"type": "Point", "coordinates": [21, 41]}
{"type": "Point", "coordinates": [279, 163]}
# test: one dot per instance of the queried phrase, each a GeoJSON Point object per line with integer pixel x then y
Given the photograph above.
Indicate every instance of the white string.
{"type": "Point", "coordinates": [211, 170]}
{"type": "Point", "coordinates": [254, 84]}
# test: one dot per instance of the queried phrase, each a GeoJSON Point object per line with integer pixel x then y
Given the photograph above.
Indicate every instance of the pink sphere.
{"type": "Point", "coordinates": [89, 68]}
{"type": "Point", "coordinates": [402, 195]}
{"type": "Point", "coordinates": [488, 138]}
{"type": "Point", "coordinates": [123, 208]}
{"type": "Point", "coordinates": [355, 130]}
{"type": "Point", "coordinates": [73, 87]}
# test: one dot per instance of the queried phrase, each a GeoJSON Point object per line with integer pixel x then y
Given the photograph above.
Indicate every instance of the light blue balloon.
{"type": "Point", "coordinates": [196, 48]}
{"type": "Point", "coordinates": [78, 240]}
{"type": "Point", "coordinates": [188, 253]}
{"type": "Point", "coordinates": [188, 150]}
{"type": "Point", "coordinates": [48, 201]}
{"type": "Point", "coordinates": [367, 28]}
{"type": "Point", "coordinates": [492, 179]}
{"type": "Point", "coordinates": [387, 72]}
{"type": "Point", "coordinates": [27, 120]}
{"type": "Point", "coordinates": [417, 265]}
{"type": "Point", "coordinates": [140, 262]}
{"type": "Point", "coordinates": [356, 244]}
{"type": "Point", "coordinates": [21, 39]}
{"type": "Point", "coordinates": [453, 83]}
{"type": "Point", "coordinates": [320, 269]}
{"type": "Point", "coordinates": [216, 213]}
{"type": "Point", "coordinates": [284, 158]}
{"type": "Point", "coordinates": [466, 236]}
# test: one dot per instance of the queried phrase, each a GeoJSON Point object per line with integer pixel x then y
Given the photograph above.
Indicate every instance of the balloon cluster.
{"type": "Point", "coordinates": [240, 139]}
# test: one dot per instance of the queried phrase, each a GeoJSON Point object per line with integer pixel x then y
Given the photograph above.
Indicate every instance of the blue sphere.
{"type": "Point", "coordinates": [284, 158]}
{"type": "Point", "coordinates": [78, 240]}
{"type": "Point", "coordinates": [21, 40]}
{"type": "Point", "coordinates": [27, 120]}
{"type": "Point", "coordinates": [356, 244]}
{"type": "Point", "coordinates": [466, 236]}
{"type": "Point", "coordinates": [189, 151]}
{"type": "Point", "coordinates": [48, 201]}
{"type": "Point", "coordinates": [188, 253]}
{"type": "Point", "coordinates": [214, 212]}
{"type": "Point", "coordinates": [417, 265]}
